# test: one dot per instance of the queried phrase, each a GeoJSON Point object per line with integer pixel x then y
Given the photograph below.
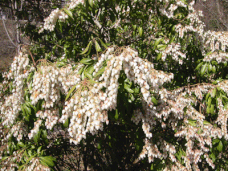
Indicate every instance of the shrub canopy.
{"type": "Point", "coordinates": [139, 79]}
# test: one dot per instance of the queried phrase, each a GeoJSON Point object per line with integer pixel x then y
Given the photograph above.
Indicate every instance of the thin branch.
{"type": "Point", "coordinates": [34, 63]}
{"type": "Point", "coordinates": [60, 46]}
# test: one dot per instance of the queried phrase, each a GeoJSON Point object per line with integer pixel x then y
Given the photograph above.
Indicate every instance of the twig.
{"type": "Point", "coordinates": [32, 59]}
{"type": "Point", "coordinates": [59, 46]}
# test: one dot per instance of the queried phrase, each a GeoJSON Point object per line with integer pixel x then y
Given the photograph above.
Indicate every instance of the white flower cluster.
{"type": "Point", "coordinates": [173, 50]}
{"type": "Point", "coordinates": [137, 70]}
{"type": "Point", "coordinates": [222, 119]}
{"type": "Point", "coordinates": [151, 150]}
{"type": "Point", "coordinates": [203, 133]}
{"type": "Point", "coordinates": [18, 131]}
{"type": "Point", "coordinates": [69, 78]}
{"type": "Point", "coordinates": [58, 14]}
{"type": "Point", "coordinates": [50, 21]}
{"type": "Point", "coordinates": [35, 130]}
{"type": "Point", "coordinates": [176, 106]}
{"type": "Point", "coordinates": [166, 150]}
{"type": "Point", "coordinates": [47, 85]}
{"type": "Point", "coordinates": [9, 162]}
{"type": "Point", "coordinates": [195, 25]}
{"type": "Point", "coordinates": [88, 107]}
{"type": "Point", "coordinates": [220, 57]}
{"type": "Point", "coordinates": [216, 40]}
{"type": "Point", "coordinates": [169, 12]}
{"type": "Point", "coordinates": [12, 104]}
{"type": "Point", "coordinates": [194, 150]}
{"type": "Point", "coordinates": [73, 3]}
{"type": "Point", "coordinates": [224, 86]}
{"type": "Point", "coordinates": [36, 165]}
{"type": "Point", "coordinates": [86, 111]}
{"type": "Point", "coordinates": [169, 7]}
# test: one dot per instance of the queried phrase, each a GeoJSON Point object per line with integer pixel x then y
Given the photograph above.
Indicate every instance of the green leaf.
{"type": "Point", "coordinates": [157, 41]}
{"type": "Point", "coordinates": [206, 122]}
{"type": "Point", "coordinates": [212, 156]}
{"type": "Point", "coordinates": [192, 122]}
{"type": "Point", "coordinates": [43, 163]}
{"type": "Point", "coordinates": [209, 101]}
{"type": "Point", "coordinates": [60, 64]}
{"type": "Point", "coordinates": [215, 141]}
{"type": "Point", "coordinates": [213, 92]}
{"type": "Point", "coordinates": [91, 3]}
{"type": "Point", "coordinates": [179, 155]}
{"type": "Point", "coordinates": [162, 47]}
{"type": "Point", "coordinates": [83, 75]}
{"type": "Point", "coordinates": [209, 53]}
{"type": "Point", "coordinates": [117, 114]}
{"type": "Point", "coordinates": [44, 134]}
{"type": "Point", "coordinates": [36, 138]}
{"type": "Point", "coordinates": [86, 61]}
{"type": "Point", "coordinates": [140, 31]}
{"type": "Point", "coordinates": [102, 43]}
{"type": "Point", "coordinates": [68, 12]}
{"type": "Point", "coordinates": [97, 46]}
{"type": "Point", "coordinates": [207, 96]}
{"type": "Point", "coordinates": [209, 67]}
{"type": "Point", "coordinates": [220, 146]}
{"type": "Point", "coordinates": [21, 144]}
{"type": "Point", "coordinates": [39, 149]}
{"type": "Point", "coordinates": [100, 72]}
{"type": "Point", "coordinates": [99, 146]}
{"type": "Point", "coordinates": [212, 109]}
{"type": "Point", "coordinates": [29, 104]}
{"type": "Point", "coordinates": [213, 69]}
{"type": "Point", "coordinates": [88, 75]}
{"type": "Point", "coordinates": [127, 87]}
{"type": "Point", "coordinates": [172, 39]}
{"type": "Point", "coordinates": [27, 109]}
{"type": "Point", "coordinates": [159, 56]}
{"type": "Point", "coordinates": [30, 76]}
{"type": "Point", "coordinates": [203, 69]}
{"type": "Point", "coordinates": [48, 160]}
{"type": "Point", "coordinates": [90, 69]}
{"type": "Point", "coordinates": [87, 48]}
{"type": "Point", "coordinates": [24, 113]}
{"type": "Point", "coordinates": [159, 22]}
{"type": "Point", "coordinates": [136, 90]}
{"type": "Point", "coordinates": [69, 93]}
{"type": "Point", "coordinates": [199, 131]}
{"type": "Point", "coordinates": [81, 70]}
{"type": "Point", "coordinates": [198, 66]}
{"type": "Point", "coordinates": [66, 124]}
{"type": "Point", "coordinates": [154, 100]}
{"type": "Point", "coordinates": [208, 109]}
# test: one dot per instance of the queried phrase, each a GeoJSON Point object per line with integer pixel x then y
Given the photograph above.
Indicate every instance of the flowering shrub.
{"type": "Point", "coordinates": [143, 74]}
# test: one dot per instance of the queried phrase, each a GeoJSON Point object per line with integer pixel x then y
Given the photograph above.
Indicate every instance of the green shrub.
{"type": "Point", "coordinates": [138, 85]}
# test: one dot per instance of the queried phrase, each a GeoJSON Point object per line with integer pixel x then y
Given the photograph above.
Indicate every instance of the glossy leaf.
{"type": "Point", "coordinates": [68, 12]}
{"type": "Point", "coordinates": [87, 48]}
{"type": "Point", "coordinates": [86, 61]}
{"type": "Point", "coordinates": [70, 92]}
